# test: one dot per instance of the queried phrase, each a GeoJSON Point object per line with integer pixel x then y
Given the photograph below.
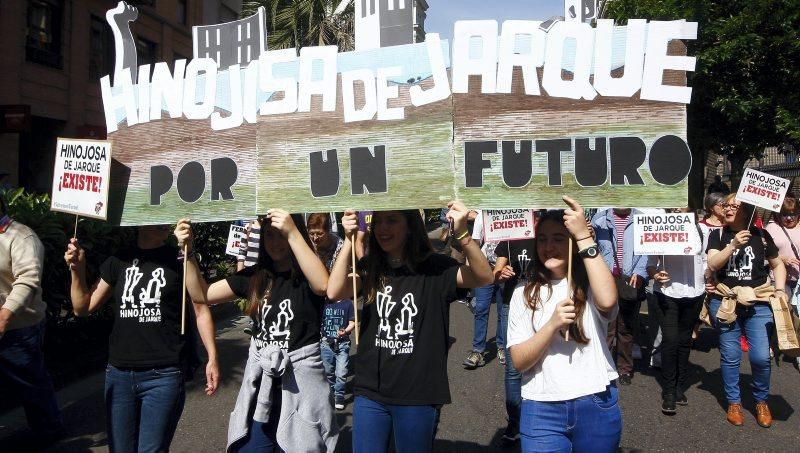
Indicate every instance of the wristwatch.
{"type": "Point", "coordinates": [589, 252]}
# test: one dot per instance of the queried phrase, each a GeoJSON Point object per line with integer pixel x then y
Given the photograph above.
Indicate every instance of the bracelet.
{"type": "Point", "coordinates": [180, 254]}
{"type": "Point", "coordinates": [462, 235]}
{"type": "Point", "coordinates": [584, 238]}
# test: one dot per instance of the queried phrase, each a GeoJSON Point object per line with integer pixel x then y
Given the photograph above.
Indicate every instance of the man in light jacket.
{"type": "Point", "coordinates": [22, 313]}
{"type": "Point", "coordinates": [614, 234]}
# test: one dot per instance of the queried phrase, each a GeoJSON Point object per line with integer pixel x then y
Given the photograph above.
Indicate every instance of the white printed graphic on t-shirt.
{"type": "Point", "coordinates": [741, 267]}
{"type": "Point", "coordinates": [132, 277]}
{"type": "Point", "coordinates": [523, 262]}
{"type": "Point", "coordinates": [400, 339]}
{"type": "Point", "coordinates": [278, 333]}
{"type": "Point", "coordinates": [149, 306]}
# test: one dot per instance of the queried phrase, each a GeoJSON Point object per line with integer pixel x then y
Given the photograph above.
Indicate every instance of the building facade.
{"type": "Point", "coordinates": [384, 23]}
{"type": "Point", "coordinates": [52, 57]}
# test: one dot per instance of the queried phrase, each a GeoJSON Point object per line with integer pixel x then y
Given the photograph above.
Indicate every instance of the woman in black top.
{"type": "Point", "coordinates": [148, 358]}
{"type": "Point", "coordinates": [736, 254]}
{"type": "Point", "coordinates": [285, 295]}
{"type": "Point", "coordinates": [401, 366]}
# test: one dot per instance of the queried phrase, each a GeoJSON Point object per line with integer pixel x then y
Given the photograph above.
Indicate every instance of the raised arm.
{"type": "Point", "coordinates": [84, 300]}
{"type": "Point", "coordinates": [600, 279]}
{"type": "Point", "coordinates": [312, 267]}
{"type": "Point", "coordinates": [719, 258]}
{"type": "Point", "coordinates": [340, 285]}
{"type": "Point", "coordinates": [200, 291]}
{"type": "Point", "coordinates": [476, 272]}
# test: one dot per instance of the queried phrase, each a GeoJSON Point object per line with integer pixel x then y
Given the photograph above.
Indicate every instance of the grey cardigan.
{"type": "Point", "coordinates": [307, 422]}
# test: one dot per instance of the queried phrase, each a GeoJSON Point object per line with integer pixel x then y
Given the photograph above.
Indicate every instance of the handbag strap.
{"type": "Point", "coordinates": [794, 249]}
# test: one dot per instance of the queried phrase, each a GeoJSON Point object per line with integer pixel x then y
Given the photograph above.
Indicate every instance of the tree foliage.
{"type": "Point", "coordinates": [301, 23]}
{"type": "Point", "coordinates": [745, 87]}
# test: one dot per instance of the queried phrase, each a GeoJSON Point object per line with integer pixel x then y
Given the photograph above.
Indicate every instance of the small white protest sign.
{"type": "Point", "coordinates": [235, 237]}
{"type": "Point", "coordinates": [508, 224]}
{"type": "Point", "coordinates": [666, 234]}
{"type": "Point", "coordinates": [81, 177]}
{"type": "Point", "coordinates": [763, 190]}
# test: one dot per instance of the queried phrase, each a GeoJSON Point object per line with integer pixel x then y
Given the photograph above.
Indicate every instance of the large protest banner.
{"type": "Point", "coordinates": [762, 190]}
{"type": "Point", "coordinates": [513, 115]}
{"type": "Point", "coordinates": [666, 234]}
{"type": "Point", "coordinates": [81, 177]}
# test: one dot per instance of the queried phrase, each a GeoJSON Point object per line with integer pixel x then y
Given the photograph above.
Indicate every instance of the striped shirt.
{"type": "Point", "coordinates": [619, 234]}
{"type": "Point", "coordinates": [249, 251]}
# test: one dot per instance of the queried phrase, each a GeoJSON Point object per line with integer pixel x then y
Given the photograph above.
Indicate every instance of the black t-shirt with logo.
{"type": "Point", "coordinates": [519, 255]}
{"type": "Point", "coordinates": [291, 319]}
{"type": "Point", "coordinates": [402, 357]}
{"type": "Point", "coordinates": [746, 265]}
{"type": "Point", "coordinates": [147, 296]}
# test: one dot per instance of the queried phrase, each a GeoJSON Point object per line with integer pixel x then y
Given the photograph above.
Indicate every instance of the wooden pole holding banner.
{"type": "Point", "coordinates": [753, 214]}
{"type": "Point", "coordinates": [75, 233]}
{"type": "Point", "coordinates": [355, 291]}
{"type": "Point", "coordinates": [183, 293]}
{"type": "Point", "coordinates": [569, 279]}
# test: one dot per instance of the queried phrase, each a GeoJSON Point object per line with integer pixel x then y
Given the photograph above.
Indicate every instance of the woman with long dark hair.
{"type": "Point", "coordinates": [740, 304]}
{"type": "Point", "coordinates": [556, 336]}
{"type": "Point", "coordinates": [401, 366]}
{"type": "Point", "coordinates": [284, 402]}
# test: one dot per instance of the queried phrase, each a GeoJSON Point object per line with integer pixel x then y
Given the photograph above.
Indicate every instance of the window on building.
{"type": "Point", "coordinates": [101, 49]}
{"type": "Point", "coordinates": [183, 12]}
{"type": "Point", "coordinates": [146, 51]}
{"type": "Point", "coordinates": [43, 40]}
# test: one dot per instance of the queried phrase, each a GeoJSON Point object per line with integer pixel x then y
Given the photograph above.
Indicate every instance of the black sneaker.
{"type": "Point", "coordinates": [668, 405]}
{"type": "Point", "coordinates": [474, 360]}
{"type": "Point", "coordinates": [625, 379]}
{"type": "Point", "coordinates": [681, 400]}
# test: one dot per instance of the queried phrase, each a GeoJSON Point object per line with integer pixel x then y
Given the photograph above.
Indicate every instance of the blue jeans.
{"type": "Point", "coordinates": [757, 323]}
{"type": "Point", "coordinates": [143, 408]}
{"type": "Point", "coordinates": [513, 381]}
{"type": "Point", "coordinates": [589, 423]}
{"type": "Point", "coordinates": [22, 370]}
{"type": "Point", "coordinates": [414, 427]}
{"type": "Point", "coordinates": [336, 360]}
{"type": "Point", "coordinates": [484, 297]}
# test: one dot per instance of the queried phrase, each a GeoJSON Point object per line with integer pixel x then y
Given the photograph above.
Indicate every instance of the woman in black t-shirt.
{"type": "Point", "coordinates": [285, 295]}
{"type": "Point", "coordinates": [736, 254]}
{"type": "Point", "coordinates": [148, 358]}
{"type": "Point", "coordinates": [401, 366]}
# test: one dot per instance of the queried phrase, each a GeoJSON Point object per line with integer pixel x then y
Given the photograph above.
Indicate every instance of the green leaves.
{"type": "Point", "coordinates": [301, 23]}
{"type": "Point", "coordinates": [745, 89]}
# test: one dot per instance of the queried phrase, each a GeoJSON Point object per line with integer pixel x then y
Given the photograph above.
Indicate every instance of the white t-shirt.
{"type": "Point", "coordinates": [568, 370]}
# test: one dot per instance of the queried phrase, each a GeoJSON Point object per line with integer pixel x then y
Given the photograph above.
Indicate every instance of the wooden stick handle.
{"type": "Point", "coordinates": [75, 233]}
{"type": "Point", "coordinates": [183, 293]}
{"type": "Point", "coordinates": [355, 291]}
{"type": "Point", "coordinates": [569, 279]}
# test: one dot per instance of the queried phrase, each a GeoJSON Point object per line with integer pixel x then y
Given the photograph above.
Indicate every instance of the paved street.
{"type": "Point", "coordinates": [475, 420]}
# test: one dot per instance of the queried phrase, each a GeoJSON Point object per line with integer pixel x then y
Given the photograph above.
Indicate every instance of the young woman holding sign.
{"type": "Point", "coordinates": [736, 253]}
{"type": "Point", "coordinates": [401, 366]}
{"type": "Point", "coordinates": [148, 358]}
{"type": "Point", "coordinates": [680, 290]}
{"type": "Point", "coordinates": [570, 401]}
{"type": "Point", "coordinates": [284, 403]}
